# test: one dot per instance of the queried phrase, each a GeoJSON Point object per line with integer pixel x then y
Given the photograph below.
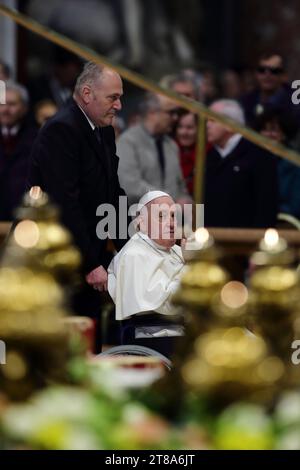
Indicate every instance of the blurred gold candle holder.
{"type": "Point", "coordinates": [40, 238]}
{"type": "Point", "coordinates": [274, 296]}
{"type": "Point", "coordinates": [33, 302]}
{"type": "Point", "coordinates": [231, 364]}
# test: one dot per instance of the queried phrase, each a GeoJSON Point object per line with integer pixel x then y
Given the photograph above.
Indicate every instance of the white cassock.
{"type": "Point", "coordinates": [143, 276]}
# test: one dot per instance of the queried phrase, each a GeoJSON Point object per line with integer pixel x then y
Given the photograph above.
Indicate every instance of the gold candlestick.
{"type": "Point", "coordinates": [32, 302]}
{"type": "Point", "coordinates": [40, 236]}
{"type": "Point", "coordinates": [274, 298]}
{"type": "Point", "coordinates": [230, 364]}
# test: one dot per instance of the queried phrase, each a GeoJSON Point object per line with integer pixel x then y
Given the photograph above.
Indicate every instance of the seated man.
{"type": "Point", "coordinates": [146, 272]}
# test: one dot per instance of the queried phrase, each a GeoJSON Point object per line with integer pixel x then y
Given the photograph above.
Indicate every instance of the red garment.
{"type": "Point", "coordinates": [9, 143]}
{"type": "Point", "coordinates": [187, 163]}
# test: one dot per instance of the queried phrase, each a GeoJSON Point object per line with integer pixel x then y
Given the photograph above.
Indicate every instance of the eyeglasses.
{"type": "Point", "coordinates": [263, 69]}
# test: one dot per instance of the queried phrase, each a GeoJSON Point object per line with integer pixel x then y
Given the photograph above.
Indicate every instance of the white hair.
{"type": "Point", "coordinates": [231, 109]}
{"type": "Point", "coordinates": [20, 89]}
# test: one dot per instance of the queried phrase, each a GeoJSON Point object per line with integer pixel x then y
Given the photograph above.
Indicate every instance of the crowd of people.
{"type": "Point", "coordinates": [156, 144]}
{"type": "Point", "coordinates": [64, 133]}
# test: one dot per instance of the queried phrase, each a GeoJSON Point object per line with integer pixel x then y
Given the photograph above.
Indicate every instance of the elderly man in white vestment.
{"type": "Point", "coordinates": [143, 276]}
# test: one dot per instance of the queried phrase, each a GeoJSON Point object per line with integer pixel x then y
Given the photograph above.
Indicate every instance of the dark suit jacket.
{"type": "Point", "coordinates": [14, 169]}
{"type": "Point", "coordinates": [281, 99]}
{"type": "Point", "coordinates": [45, 87]}
{"type": "Point", "coordinates": [241, 189]}
{"type": "Point", "coordinates": [79, 174]}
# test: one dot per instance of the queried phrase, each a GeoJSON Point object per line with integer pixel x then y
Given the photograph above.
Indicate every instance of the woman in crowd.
{"type": "Point", "coordinates": [186, 136]}
{"type": "Point", "coordinates": [282, 128]}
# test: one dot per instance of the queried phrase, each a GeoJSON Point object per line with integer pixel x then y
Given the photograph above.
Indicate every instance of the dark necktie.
{"type": "Point", "coordinates": [160, 155]}
{"type": "Point", "coordinates": [97, 132]}
{"type": "Point", "coordinates": [104, 154]}
{"type": "Point", "coordinates": [9, 143]}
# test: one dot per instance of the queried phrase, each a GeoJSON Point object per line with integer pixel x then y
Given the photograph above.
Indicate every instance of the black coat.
{"type": "Point", "coordinates": [241, 189]}
{"type": "Point", "coordinates": [79, 174]}
{"type": "Point", "coordinates": [14, 169]}
{"type": "Point", "coordinates": [280, 100]}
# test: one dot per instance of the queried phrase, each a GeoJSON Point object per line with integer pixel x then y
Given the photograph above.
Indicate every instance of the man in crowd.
{"type": "Point", "coordinates": [149, 158]}
{"type": "Point", "coordinates": [240, 177]}
{"type": "Point", "coordinates": [74, 161]}
{"type": "Point", "coordinates": [58, 84]}
{"type": "Point", "coordinates": [185, 86]}
{"type": "Point", "coordinates": [17, 135]}
{"type": "Point", "coordinates": [272, 90]}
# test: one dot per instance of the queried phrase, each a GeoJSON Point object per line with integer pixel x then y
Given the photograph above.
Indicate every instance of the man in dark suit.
{"type": "Point", "coordinates": [240, 177]}
{"type": "Point", "coordinates": [17, 135]}
{"type": "Point", "coordinates": [272, 91]}
{"type": "Point", "coordinates": [74, 161]}
{"type": "Point", "coordinates": [56, 85]}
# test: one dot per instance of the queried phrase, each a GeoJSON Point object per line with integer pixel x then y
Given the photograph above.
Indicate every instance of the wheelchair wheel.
{"type": "Point", "coordinates": [136, 350]}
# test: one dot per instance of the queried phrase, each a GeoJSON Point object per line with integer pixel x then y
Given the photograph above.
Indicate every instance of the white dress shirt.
{"type": "Point", "coordinates": [230, 145]}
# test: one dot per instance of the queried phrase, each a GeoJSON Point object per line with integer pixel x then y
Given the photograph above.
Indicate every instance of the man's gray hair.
{"type": "Point", "coordinates": [90, 74]}
{"type": "Point", "coordinates": [231, 109]}
{"type": "Point", "coordinates": [20, 89]}
{"type": "Point", "coordinates": [185, 77]}
{"type": "Point", "coordinates": [150, 103]}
